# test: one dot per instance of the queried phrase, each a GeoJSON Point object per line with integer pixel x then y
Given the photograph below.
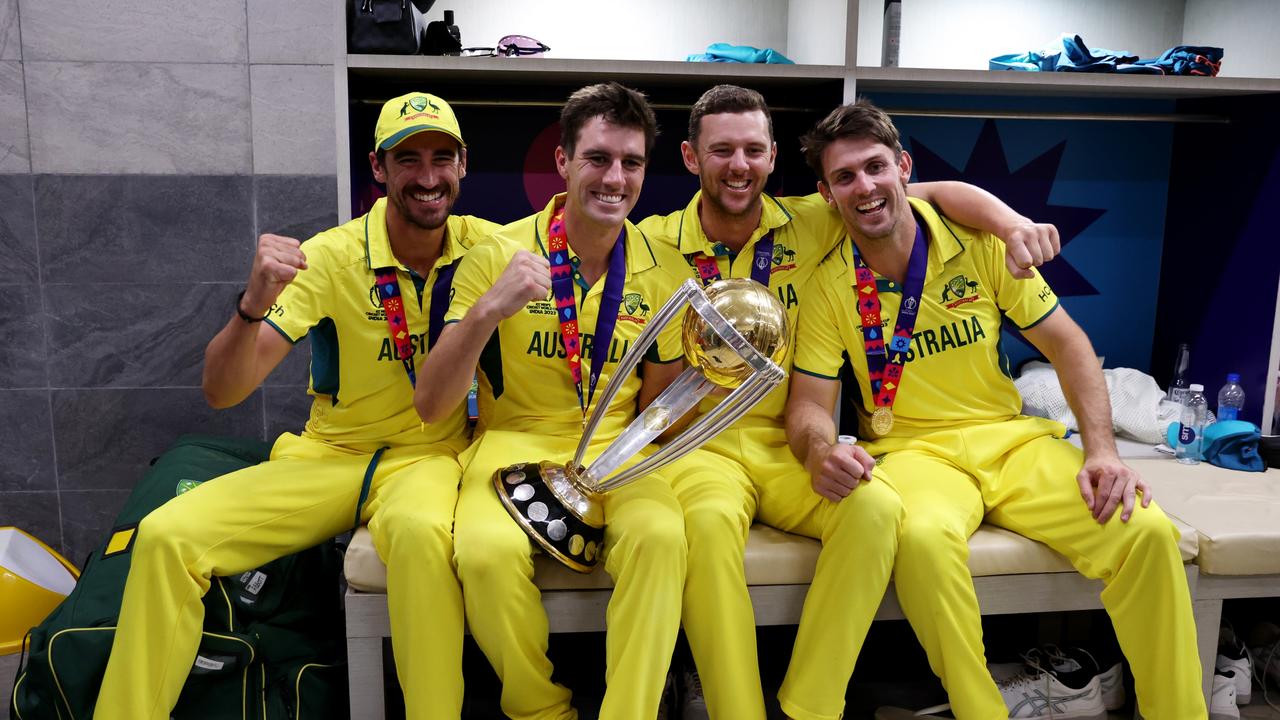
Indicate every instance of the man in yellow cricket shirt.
{"type": "Point", "coordinates": [371, 295]}
{"type": "Point", "coordinates": [915, 301]}
{"type": "Point", "coordinates": [535, 396]}
{"type": "Point", "coordinates": [732, 227]}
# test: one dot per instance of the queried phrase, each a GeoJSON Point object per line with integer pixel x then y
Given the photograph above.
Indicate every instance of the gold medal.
{"type": "Point", "coordinates": [882, 421]}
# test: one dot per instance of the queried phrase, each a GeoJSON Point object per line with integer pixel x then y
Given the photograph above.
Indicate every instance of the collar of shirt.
{"type": "Point", "coordinates": [639, 255]}
{"type": "Point", "coordinates": [377, 243]}
{"type": "Point", "coordinates": [692, 240]}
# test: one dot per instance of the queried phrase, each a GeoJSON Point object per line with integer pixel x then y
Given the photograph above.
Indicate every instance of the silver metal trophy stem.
{"type": "Point", "coordinates": [629, 361]}
{"type": "Point", "coordinates": [725, 413]}
{"type": "Point", "coordinates": [561, 507]}
{"type": "Point", "coordinates": [677, 399]}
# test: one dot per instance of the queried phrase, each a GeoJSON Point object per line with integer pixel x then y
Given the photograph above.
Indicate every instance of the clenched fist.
{"type": "Point", "coordinates": [836, 470]}
{"type": "Point", "coordinates": [275, 265]}
{"type": "Point", "coordinates": [527, 278]}
{"type": "Point", "coordinates": [1030, 245]}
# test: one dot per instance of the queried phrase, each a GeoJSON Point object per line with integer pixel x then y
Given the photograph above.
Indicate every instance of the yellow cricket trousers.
{"type": "Point", "coordinates": [306, 493]}
{"type": "Point", "coordinates": [644, 553]}
{"type": "Point", "coordinates": [1016, 475]}
{"type": "Point", "coordinates": [859, 539]}
{"type": "Point", "coordinates": [718, 498]}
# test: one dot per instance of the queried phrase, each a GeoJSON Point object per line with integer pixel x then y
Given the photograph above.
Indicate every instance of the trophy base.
{"type": "Point", "coordinates": [565, 519]}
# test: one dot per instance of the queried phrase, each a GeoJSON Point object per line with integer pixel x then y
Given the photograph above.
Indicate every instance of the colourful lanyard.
{"type": "Point", "coordinates": [398, 324]}
{"type": "Point", "coordinates": [562, 288]}
{"type": "Point", "coordinates": [761, 263]}
{"type": "Point", "coordinates": [885, 368]}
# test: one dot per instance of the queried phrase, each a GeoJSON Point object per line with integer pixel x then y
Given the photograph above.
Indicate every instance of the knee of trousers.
{"type": "Point", "coordinates": [716, 532]}
{"type": "Point", "coordinates": [928, 545]}
{"type": "Point", "coordinates": [487, 553]}
{"type": "Point", "coordinates": [413, 533]}
{"type": "Point", "coordinates": [658, 543]}
{"type": "Point", "coordinates": [873, 510]}
{"type": "Point", "coordinates": [1148, 537]}
{"type": "Point", "coordinates": [168, 538]}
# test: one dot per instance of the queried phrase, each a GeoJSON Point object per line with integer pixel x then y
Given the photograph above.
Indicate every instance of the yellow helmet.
{"type": "Point", "coordinates": [33, 580]}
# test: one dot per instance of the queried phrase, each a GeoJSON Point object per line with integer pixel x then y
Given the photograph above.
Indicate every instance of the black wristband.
{"type": "Point", "coordinates": [247, 318]}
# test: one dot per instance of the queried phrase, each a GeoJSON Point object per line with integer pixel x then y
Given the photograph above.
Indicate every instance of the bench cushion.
{"type": "Point", "coordinates": [1235, 513]}
{"type": "Point", "coordinates": [773, 558]}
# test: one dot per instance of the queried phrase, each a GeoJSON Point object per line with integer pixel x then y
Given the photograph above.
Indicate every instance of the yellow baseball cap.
{"type": "Point", "coordinates": [414, 113]}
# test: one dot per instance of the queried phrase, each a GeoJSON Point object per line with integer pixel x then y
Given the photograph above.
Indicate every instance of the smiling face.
{"type": "Point", "coordinates": [422, 175]}
{"type": "Point", "coordinates": [605, 173]}
{"type": "Point", "coordinates": [867, 184]}
{"type": "Point", "coordinates": [733, 158]}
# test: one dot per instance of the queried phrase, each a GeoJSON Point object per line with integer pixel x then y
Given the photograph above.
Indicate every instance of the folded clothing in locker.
{"type": "Point", "coordinates": [1069, 54]}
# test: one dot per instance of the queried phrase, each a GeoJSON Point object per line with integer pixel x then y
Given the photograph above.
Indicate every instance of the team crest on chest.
{"type": "Point", "coordinates": [958, 291]}
{"type": "Point", "coordinates": [634, 309]}
{"type": "Point", "coordinates": [784, 258]}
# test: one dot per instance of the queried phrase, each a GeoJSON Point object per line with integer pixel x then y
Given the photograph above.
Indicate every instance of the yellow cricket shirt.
{"type": "Point", "coordinates": [804, 231]}
{"type": "Point", "coordinates": [524, 378]}
{"type": "Point", "coordinates": [953, 374]}
{"type": "Point", "coordinates": [362, 392]}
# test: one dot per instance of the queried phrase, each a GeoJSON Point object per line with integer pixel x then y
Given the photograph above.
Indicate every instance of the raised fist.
{"type": "Point", "coordinates": [1030, 245]}
{"type": "Point", "coordinates": [275, 265]}
{"type": "Point", "coordinates": [527, 278]}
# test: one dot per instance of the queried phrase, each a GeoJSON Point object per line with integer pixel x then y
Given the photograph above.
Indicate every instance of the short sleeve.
{"type": "Point", "coordinates": [1025, 302]}
{"type": "Point", "coordinates": [819, 348]}
{"type": "Point", "coordinates": [477, 272]}
{"type": "Point", "coordinates": [304, 302]}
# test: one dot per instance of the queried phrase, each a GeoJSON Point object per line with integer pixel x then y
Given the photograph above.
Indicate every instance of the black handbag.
{"type": "Point", "coordinates": [392, 27]}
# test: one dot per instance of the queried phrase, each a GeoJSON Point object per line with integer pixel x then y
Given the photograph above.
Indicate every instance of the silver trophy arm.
{"type": "Point", "coordinates": [681, 396]}
{"type": "Point", "coordinates": [665, 314]}
{"type": "Point", "coordinates": [767, 375]}
{"type": "Point", "coordinates": [727, 412]}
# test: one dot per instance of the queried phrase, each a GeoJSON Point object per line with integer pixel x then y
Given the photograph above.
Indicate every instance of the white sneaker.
{"type": "Point", "coordinates": [693, 705]}
{"type": "Point", "coordinates": [1222, 699]}
{"type": "Point", "coordinates": [1041, 695]}
{"type": "Point", "coordinates": [1111, 683]}
{"type": "Point", "coordinates": [1082, 662]}
{"type": "Point", "coordinates": [1233, 661]}
{"type": "Point", "coordinates": [1240, 670]}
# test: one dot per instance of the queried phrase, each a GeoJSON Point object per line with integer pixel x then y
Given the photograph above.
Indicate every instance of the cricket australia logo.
{"type": "Point", "coordinates": [784, 258]}
{"type": "Point", "coordinates": [634, 309]}
{"type": "Point", "coordinates": [959, 287]}
{"type": "Point", "coordinates": [418, 103]}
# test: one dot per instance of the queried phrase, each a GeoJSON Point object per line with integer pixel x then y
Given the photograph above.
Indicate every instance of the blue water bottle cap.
{"type": "Point", "coordinates": [1233, 377]}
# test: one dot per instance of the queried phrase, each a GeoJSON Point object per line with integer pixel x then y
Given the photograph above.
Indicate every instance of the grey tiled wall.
{"type": "Point", "coordinates": [142, 150]}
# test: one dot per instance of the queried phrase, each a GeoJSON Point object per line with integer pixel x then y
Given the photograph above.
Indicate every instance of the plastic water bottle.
{"type": "Point", "coordinates": [1191, 428]}
{"type": "Point", "coordinates": [1231, 398]}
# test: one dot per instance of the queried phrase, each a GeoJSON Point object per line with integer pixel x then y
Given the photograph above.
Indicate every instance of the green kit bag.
{"type": "Point", "coordinates": [258, 625]}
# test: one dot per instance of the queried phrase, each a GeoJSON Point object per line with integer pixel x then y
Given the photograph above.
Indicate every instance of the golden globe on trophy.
{"type": "Point", "coordinates": [734, 335]}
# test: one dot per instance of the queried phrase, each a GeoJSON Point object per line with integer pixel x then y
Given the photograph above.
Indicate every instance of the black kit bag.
{"type": "Point", "coordinates": [384, 27]}
{"type": "Point", "coordinates": [257, 625]}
